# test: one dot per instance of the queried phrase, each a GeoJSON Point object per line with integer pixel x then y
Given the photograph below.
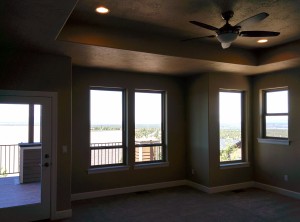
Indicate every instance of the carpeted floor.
{"type": "Point", "coordinates": [187, 204]}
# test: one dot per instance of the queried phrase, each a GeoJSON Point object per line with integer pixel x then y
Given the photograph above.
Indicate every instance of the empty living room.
{"type": "Point", "coordinates": [149, 110]}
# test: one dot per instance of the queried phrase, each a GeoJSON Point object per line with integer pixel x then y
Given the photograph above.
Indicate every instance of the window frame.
{"type": "Point", "coordinates": [243, 159]}
{"type": "Point", "coordinates": [163, 143]}
{"type": "Point", "coordinates": [124, 129]}
{"type": "Point", "coordinates": [265, 114]}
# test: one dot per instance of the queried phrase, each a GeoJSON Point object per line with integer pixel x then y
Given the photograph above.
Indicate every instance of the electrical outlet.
{"type": "Point", "coordinates": [64, 148]}
{"type": "Point", "coordinates": [193, 171]}
{"type": "Point", "coordinates": [286, 177]}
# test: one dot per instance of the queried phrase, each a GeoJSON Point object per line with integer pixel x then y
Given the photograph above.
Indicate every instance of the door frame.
{"type": "Point", "coordinates": [53, 174]}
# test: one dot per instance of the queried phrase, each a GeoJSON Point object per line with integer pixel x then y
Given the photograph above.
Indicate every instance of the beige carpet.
{"type": "Point", "coordinates": [187, 204]}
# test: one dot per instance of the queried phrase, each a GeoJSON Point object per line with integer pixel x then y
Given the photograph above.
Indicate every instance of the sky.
{"type": "Point", "coordinates": [106, 107]}
{"type": "Point", "coordinates": [230, 108]}
{"type": "Point", "coordinates": [18, 113]}
{"type": "Point", "coordinates": [147, 108]}
{"type": "Point", "coordinates": [272, 102]}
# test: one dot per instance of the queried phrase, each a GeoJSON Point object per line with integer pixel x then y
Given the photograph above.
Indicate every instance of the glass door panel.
{"type": "Point", "coordinates": [25, 157]}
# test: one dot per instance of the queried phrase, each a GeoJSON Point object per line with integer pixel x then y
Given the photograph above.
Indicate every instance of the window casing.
{"type": "Point", "coordinates": [275, 114]}
{"type": "Point", "coordinates": [150, 122]}
{"type": "Point", "coordinates": [232, 128]}
{"type": "Point", "coordinates": [107, 127]}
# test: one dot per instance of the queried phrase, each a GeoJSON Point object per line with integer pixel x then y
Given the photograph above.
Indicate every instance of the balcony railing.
{"type": "Point", "coordinates": [112, 153]}
{"type": "Point", "coordinates": [101, 154]}
{"type": "Point", "coordinates": [9, 159]}
{"type": "Point", "coordinates": [148, 153]}
{"type": "Point", "coordinates": [106, 153]}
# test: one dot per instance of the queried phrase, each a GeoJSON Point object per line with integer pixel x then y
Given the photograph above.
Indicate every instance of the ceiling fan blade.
{"type": "Point", "coordinates": [209, 36]}
{"type": "Point", "coordinates": [203, 25]}
{"type": "Point", "coordinates": [253, 19]}
{"type": "Point", "coordinates": [258, 34]}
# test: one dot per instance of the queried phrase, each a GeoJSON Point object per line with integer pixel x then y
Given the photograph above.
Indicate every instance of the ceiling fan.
{"type": "Point", "coordinates": [228, 33]}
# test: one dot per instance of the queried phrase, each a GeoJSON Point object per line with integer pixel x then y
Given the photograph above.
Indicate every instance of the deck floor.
{"type": "Point", "coordinates": [12, 193]}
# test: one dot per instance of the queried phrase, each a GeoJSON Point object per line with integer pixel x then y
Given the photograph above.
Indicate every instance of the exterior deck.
{"type": "Point", "coordinates": [12, 193]}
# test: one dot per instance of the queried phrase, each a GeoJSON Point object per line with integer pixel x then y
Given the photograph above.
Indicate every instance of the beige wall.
{"type": "Point", "coordinates": [83, 78]}
{"type": "Point", "coordinates": [192, 124]}
{"type": "Point", "coordinates": [197, 130]}
{"type": "Point", "coordinates": [273, 161]}
{"type": "Point", "coordinates": [203, 128]}
{"type": "Point", "coordinates": [39, 72]}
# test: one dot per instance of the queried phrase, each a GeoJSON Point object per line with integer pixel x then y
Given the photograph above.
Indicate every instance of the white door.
{"type": "Point", "coordinates": [25, 194]}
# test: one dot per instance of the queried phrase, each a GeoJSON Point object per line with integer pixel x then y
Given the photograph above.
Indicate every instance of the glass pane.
{"type": "Point", "coordinates": [14, 120]}
{"type": "Point", "coordinates": [277, 101]}
{"type": "Point", "coordinates": [277, 126]}
{"type": "Point", "coordinates": [37, 123]}
{"type": "Point", "coordinates": [106, 124]}
{"type": "Point", "coordinates": [20, 170]}
{"type": "Point", "coordinates": [230, 105]}
{"type": "Point", "coordinates": [107, 156]}
{"type": "Point", "coordinates": [149, 153]}
{"type": "Point", "coordinates": [106, 117]}
{"type": "Point", "coordinates": [148, 118]}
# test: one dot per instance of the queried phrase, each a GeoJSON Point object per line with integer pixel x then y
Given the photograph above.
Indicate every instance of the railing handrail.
{"type": "Point", "coordinates": [110, 144]}
{"type": "Point", "coordinates": [120, 143]}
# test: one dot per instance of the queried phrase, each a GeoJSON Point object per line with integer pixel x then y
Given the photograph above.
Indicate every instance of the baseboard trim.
{"type": "Point", "coordinates": [124, 190]}
{"type": "Point", "coordinates": [230, 187]}
{"type": "Point", "coordinates": [218, 189]}
{"type": "Point", "coordinates": [58, 215]}
{"type": "Point", "coordinates": [197, 186]}
{"type": "Point", "coordinates": [153, 186]}
{"type": "Point", "coordinates": [278, 190]}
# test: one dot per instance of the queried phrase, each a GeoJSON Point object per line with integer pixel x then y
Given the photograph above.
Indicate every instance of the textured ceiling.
{"type": "Point", "coordinates": [170, 17]}
{"type": "Point", "coordinates": [145, 35]}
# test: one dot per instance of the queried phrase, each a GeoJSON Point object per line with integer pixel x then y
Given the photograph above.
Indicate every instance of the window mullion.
{"type": "Point", "coordinates": [31, 124]}
{"type": "Point", "coordinates": [277, 114]}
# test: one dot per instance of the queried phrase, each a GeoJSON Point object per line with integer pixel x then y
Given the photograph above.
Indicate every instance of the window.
{"type": "Point", "coordinates": [231, 128]}
{"type": "Point", "coordinates": [107, 127]}
{"type": "Point", "coordinates": [149, 126]}
{"type": "Point", "coordinates": [275, 114]}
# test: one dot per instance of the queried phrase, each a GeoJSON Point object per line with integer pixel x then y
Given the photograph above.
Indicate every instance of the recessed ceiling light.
{"type": "Point", "coordinates": [262, 40]}
{"type": "Point", "coordinates": [102, 10]}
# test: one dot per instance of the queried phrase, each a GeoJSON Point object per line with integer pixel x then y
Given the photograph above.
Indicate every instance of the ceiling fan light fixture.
{"type": "Point", "coordinates": [225, 45]}
{"type": "Point", "coordinates": [102, 10]}
{"type": "Point", "coordinates": [227, 37]}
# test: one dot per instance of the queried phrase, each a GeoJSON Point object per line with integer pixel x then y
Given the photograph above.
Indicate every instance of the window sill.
{"type": "Point", "coordinates": [274, 141]}
{"type": "Point", "coordinates": [234, 165]}
{"type": "Point", "coordinates": [107, 169]}
{"type": "Point", "coordinates": [150, 165]}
